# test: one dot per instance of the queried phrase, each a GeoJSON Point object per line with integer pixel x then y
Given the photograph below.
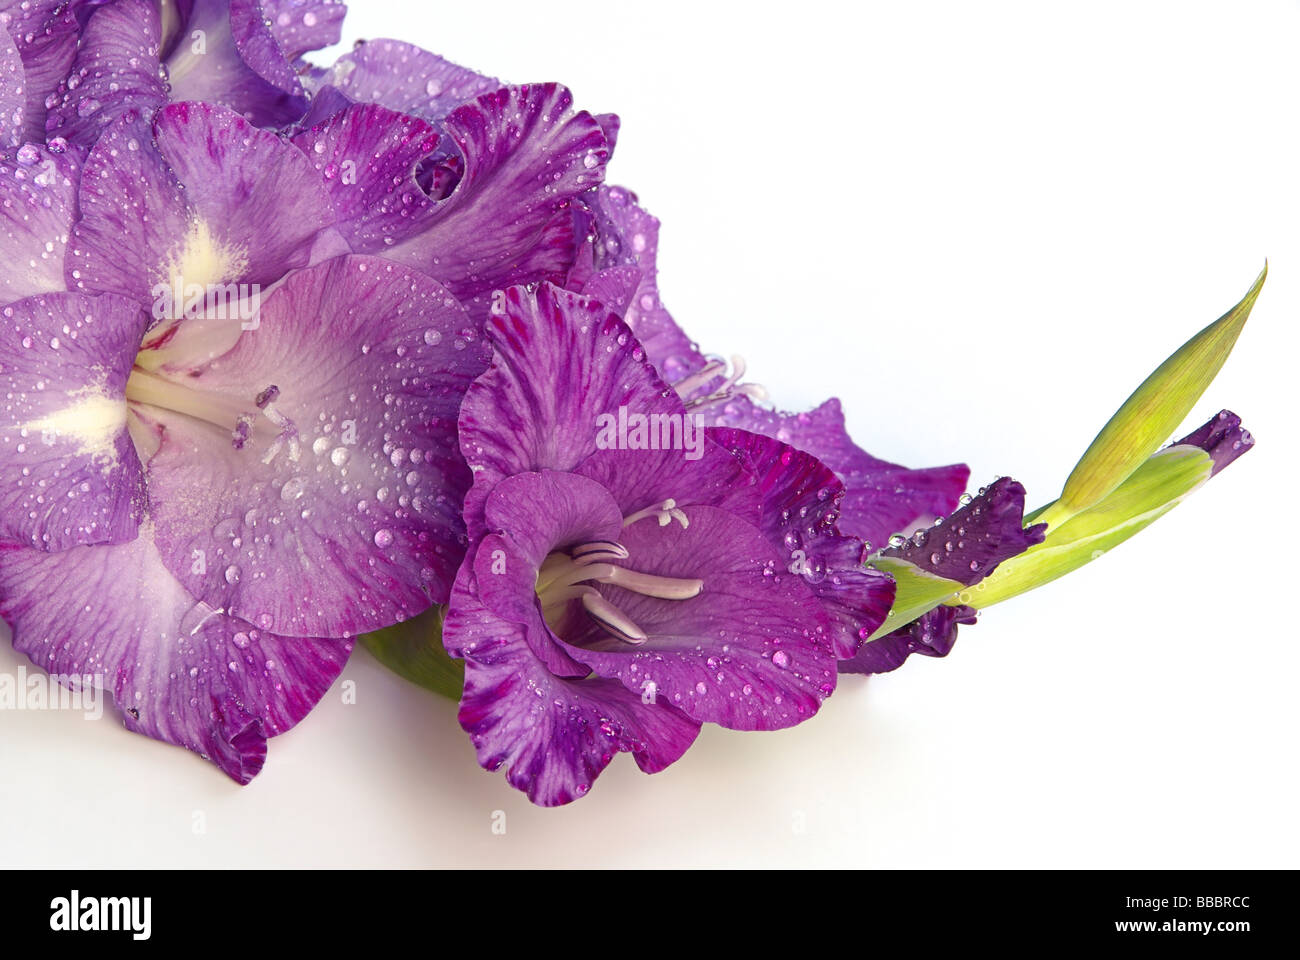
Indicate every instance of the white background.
{"type": "Point", "coordinates": [980, 225]}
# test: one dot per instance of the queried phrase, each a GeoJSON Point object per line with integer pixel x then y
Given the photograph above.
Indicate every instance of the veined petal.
{"type": "Point", "coordinates": [341, 512]}
{"type": "Point", "coordinates": [217, 202]}
{"type": "Point", "coordinates": [970, 543]}
{"type": "Point", "coordinates": [69, 473]}
{"type": "Point", "coordinates": [116, 71]}
{"type": "Point", "coordinates": [13, 97]}
{"type": "Point", "coordinates": [751, 652]}
{"type": "Point", "coordinates": [179, 671]}
{"type": "Point", "coordinates": [934, 566]}
{"type": "Point", "coordinates": [38, 202]}
{"type": "Point", "coordinates": [403, 77]}
{"type": "Point", "coordinates": [932, 635]}
{"type": "Point", "coordinates": [300, 26]}
{"type": "Point", "coordinates": [880, 498]}
{"type": "Point", "coordinates": [45, 35]}
{"type": "Point", "coordinates": [626, 236]}
{"type": "Point", "coordinates": [527, 155]}
{"type": "Point", "coordinates": [368, 155]}
{"type": "Point", "coordinates": [531, 515]}
{"type": "Point", "coordinates": [800, 509]}
{"type": "Point", "coordinates": [560, 363]}
{"type": "Point", "coordinates": [227, 53]}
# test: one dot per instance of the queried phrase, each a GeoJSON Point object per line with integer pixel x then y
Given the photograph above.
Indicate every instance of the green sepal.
{"type": "Point", "coordinates": [413, 650]}
{"type": "Point", "coordinates": [918, 591]}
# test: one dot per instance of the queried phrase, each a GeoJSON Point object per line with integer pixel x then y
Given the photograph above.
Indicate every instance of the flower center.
{"type": "Point", "coordinates": [568, 575]}
{"type": "Point", "coordinates": [243, 420]}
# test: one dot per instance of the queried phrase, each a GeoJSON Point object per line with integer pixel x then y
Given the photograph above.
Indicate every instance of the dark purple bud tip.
{"type": "Point", "coordinates": [975, 538]}
{"type": "Point", "coordinates": [1223, 438]}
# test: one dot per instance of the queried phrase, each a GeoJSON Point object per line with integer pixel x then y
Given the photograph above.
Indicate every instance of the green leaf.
{"type": "Point", "coordinates": [1152, 413]}
{"type": "Point", "coordinates": [1155, 488]}
{"type": "Point", "coordinates": [413, 650]}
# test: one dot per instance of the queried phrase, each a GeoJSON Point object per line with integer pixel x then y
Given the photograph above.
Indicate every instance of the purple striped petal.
{"type": "Point", "coordinates": [966, 547]}
{"type": "Point", "coordinates": [403, 77]}
{"type": "Point", "coordinates": [527, 156]}
{"type": "Point", "coordinates": [116, 72]}
{"type": "Point", "coordinates": [179, 671]}
{"type": "Point", "coordinates": [553, 735]}
{"type": "Point", "coordinates": [368, 156]}
{"type": "Point", "coordinates": [561, 361]}
{"type": "Point", "coordinates": [969, 544]}
{"type": "Point", "coordinates": [626, 236]}
{"type": "Point", "coordinates": [45, 35]}
{"type": "Point", "coordinates": [801, 498]}
{"type": "Point", "coordinates": [750, 652]}
{"type": "Point", "coordinates": [339, 512]}
{"type": "Point", "coordinates": [38, 202]}
{"type": "Point", "coordinates": [69, 473]}
{"type": "Point", "coordinates": [217, 202]}
{"type": "Point", "coordinates": [932, 635]}
{"type": "Point", "coordinates": [881, 498]}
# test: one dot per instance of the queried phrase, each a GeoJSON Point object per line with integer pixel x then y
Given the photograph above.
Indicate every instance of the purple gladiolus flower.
{"type": "Point", "coordinates": [208, 497]}
{"type": "Point", "coordinates": [291, 353]}
{"type": "Point", "coordinates": [622, 589]}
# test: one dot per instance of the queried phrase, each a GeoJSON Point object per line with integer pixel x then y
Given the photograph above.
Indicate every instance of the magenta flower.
{"type": "Point", "coordinates": [616, 595]}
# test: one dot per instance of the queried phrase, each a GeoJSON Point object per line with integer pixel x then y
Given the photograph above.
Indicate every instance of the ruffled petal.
{"type": "Point", "coordinates": [969, 544]}
{"type": "Point", "coordinates": [626, 236]}
{"type": "Point", "coordinates": [300, 26]}
{"type": "Point", "coordinates": [533, 514]}
{"type": "Point", "coordinates": [553, 735]}
{"type": "Point", "coordinates": [932, 635]}
{"type": "Point", "coordinates": [116, 71]}
{"type": "Point", "coordinates": [227, 54]}
{"type": "Point", "coordinates": [368, 156]}
{"type": "Point", "coordinates": [45, 35]}
{"type": "Point", "coordinates": [180, 672]}
{"type": "Point", "coordinates": [337, 510]}
{"type": "Point", "coordinates": [403, 77]}
{"type": "Point", "coordinates": [69, 473]}
{"type": "Point", "coordinates": [965, 547]}
{"type": "Point", "coordinates": [560, 362]}
{"type": "Point", "coordinates": [752, 651]}
{"type": "Point", "coordinates": [38, 203]}
{"type": "Point", "coordinates": [527, 156]}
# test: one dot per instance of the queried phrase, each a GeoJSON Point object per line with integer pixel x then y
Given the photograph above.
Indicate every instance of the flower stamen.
{"type": "Point", "coordinates": [611, 618]}
{"type": "Point", "coordinates": [665, 513]}
{"type": "Point", "coordinates": [563, 577]}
